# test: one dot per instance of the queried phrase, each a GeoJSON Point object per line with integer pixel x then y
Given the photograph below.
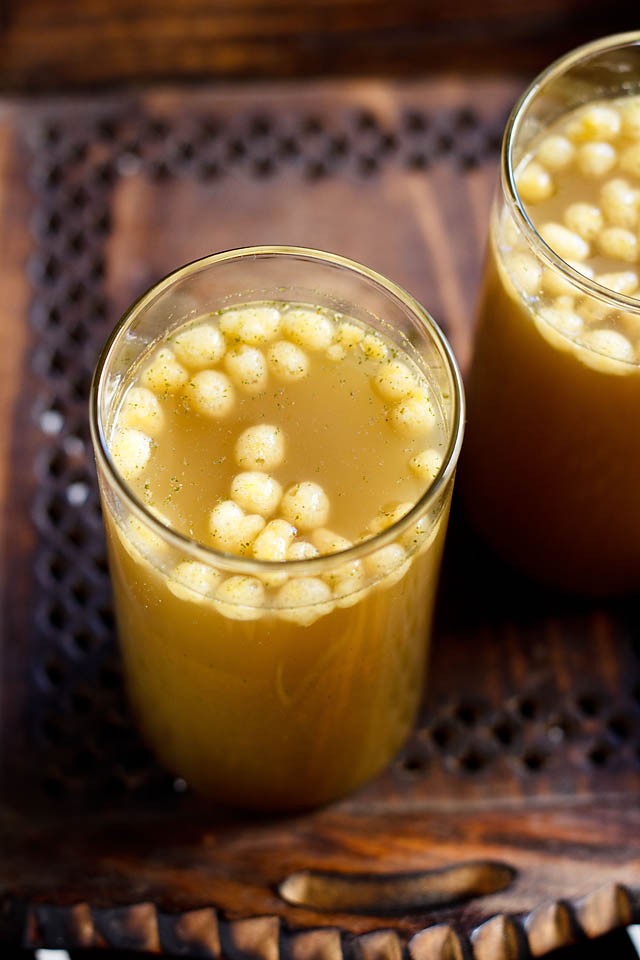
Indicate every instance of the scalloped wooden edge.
{"type": "Point", "coordinates": [204, 933]}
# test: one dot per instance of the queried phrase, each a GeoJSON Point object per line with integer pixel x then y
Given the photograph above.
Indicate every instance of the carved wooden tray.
{"type": "Point", "coordinates": [509, 825]}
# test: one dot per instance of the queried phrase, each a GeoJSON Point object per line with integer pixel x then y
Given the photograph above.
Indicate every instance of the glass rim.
{"type": "Point", "coordinates": [538, 85]}
{"type": "Point", "coordinates": [248, 565]}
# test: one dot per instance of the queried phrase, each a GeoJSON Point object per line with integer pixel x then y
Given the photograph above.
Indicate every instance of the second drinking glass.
{"type": "Point", "coordinates": [551, 471]}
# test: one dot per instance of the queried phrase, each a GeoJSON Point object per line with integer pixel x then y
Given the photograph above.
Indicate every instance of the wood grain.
{"type": "Point", "coordinates": [74, 44]}
{"type": "Point", "coordinates": [15, 247]}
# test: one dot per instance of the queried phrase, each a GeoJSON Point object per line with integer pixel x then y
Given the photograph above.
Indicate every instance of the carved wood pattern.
{"type": "Point", "coordinates": [528, 750]}
{"type": "Point", "coordinates": [204, 933]}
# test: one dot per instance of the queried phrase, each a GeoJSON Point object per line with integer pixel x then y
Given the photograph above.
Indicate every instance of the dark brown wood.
{"type": "Point", "coordinates": [16, 538]}
{"type": "Point", "coordinates": [75, 43]}
{"type": "Point", "coordinates": [528, 750]}
{"type": "Point", "coordinates": [14, 207]}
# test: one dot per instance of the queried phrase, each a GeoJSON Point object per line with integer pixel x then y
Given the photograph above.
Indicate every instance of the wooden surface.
{"type": "Point", "coordinates": [524, 770]}
{"type": "Point", "coordinates": [79, 43]}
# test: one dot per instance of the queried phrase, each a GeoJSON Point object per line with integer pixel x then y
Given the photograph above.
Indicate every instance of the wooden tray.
{"type": "Point", "coordinates": [523, 774]}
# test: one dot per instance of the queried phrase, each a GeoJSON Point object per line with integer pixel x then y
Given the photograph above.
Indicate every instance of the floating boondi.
{"type": "Point", "coordinates": [211, 378]}
{"type": "Point", "coordinates": [588, 213]}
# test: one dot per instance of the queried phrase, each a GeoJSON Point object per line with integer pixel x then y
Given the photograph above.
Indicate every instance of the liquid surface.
{"type": "Point", "coordinates": [580, 184]}
{"type": "Point", "coordinates": [336, 427]}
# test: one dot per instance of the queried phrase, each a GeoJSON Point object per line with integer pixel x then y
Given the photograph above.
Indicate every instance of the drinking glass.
{"type": "Point", "coordinates": [252, 707]}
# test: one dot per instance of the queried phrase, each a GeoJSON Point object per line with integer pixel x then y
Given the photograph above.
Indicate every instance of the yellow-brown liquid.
{"type": "Point", "coordinates": [336, 433]}
{"type": "Point", "coordinates": [551, 468]}
{"type": "Point", "coordinates": [552, 460]}
{"type": "Point", "coordinates": [268, 713]}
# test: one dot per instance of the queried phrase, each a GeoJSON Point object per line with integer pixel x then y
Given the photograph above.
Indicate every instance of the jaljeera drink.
{"type": "Point", "coordinates": [552, 468]}
{"type": "Point", "coordinates": [276, 434]}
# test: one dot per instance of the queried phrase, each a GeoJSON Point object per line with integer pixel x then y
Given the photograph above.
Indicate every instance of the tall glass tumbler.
{"type": "Point", "coordinates": [551, 471]}
{"type": "Point", "coordinates": [253, 704]}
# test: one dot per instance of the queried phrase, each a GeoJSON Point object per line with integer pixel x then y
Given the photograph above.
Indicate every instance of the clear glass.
{"type": "Point", "coordinates": [256, 710]}
{"type": "Point", "coordinates": [552, 460]}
